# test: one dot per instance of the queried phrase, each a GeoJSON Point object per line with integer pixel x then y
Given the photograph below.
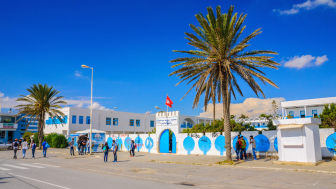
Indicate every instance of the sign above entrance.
{"type": "Point", "coordinates": [166, 121]}
{"type": "Point", "coordinates": [8, 125]}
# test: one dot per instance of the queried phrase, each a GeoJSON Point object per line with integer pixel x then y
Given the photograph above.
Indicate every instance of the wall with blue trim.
{"type": "Point", "coordinates": [214, 143]}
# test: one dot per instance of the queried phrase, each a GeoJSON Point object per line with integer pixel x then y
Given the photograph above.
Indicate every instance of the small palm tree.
{"type": "Point", "coordinates": [41, 100]}
{"type": "Point", "coordinates": [219, 59]}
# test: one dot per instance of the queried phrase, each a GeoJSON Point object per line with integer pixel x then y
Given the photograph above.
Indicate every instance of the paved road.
{"type": "Point", "coordinates": [58, 171]}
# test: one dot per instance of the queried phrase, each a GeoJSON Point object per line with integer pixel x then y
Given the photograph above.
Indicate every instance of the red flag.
{"type": "Point", "coordinates": [169, 102]}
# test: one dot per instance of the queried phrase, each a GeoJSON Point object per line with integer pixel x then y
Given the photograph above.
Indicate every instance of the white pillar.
{"type": "Point", "coordinates": [305, 111]}
{"type": "Point", "coordinates": [283, 113]}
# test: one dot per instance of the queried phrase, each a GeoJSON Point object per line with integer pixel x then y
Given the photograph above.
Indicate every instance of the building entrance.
{"type": "Point", "coordinates": [167, 142]}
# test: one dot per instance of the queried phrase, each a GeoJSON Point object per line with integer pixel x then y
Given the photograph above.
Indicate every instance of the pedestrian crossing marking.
{"type": "Point", "coordinates": [7, 165]}
{"type": "Point", "coordinates": [46, 165]}
{"type": "Point", "coordinates": [4, 169]}
{"type": "Point", "coordinates": [29, 165]}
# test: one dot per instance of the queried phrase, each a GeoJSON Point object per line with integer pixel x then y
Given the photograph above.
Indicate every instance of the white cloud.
{"type": "Point", "coordinates": [78, 73]}
{"type": "Point", "coordinates": [310, 4]}
{"type": "Point", "coordinates": [305, 61]}
{"type": "Point", "coordinates": [1, 94]}
{"type": "Point", "coordinates": [251, 107]}
{"type": "Point", "coordinates": [97, 106]}
{"type": "Point", "coordinates": [321, 59]}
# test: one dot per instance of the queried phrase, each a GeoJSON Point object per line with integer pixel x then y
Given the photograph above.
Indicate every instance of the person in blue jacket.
{"type": "Point", "coordinates": [132, 148]}
{"type": "Point", "coordinates": [44, 148]}
{"type": "Point", "coordinates": [105, 150]}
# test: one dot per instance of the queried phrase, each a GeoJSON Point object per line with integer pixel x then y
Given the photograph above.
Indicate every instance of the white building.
{"type": "Point", "coordinates": [305, 108]}
{"type": "Point", "coordinates": [112, 122]}
{"type": "Point", "coordinates": [258, 123]}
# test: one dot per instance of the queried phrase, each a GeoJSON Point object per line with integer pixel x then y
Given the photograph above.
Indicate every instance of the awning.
{"type": "Point", "coordinates": [88, 131]}
{"type": "Point", "coordinates": [290, 126]}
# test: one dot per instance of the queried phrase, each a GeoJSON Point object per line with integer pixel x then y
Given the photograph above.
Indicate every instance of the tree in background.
{"type": "Point", "coordinates": [328, 116]}
{"type": "Point", "coordinates": [41, 100]}
{"type": "Point", "coordinates": [274, 109]}
{"type": "Point", "coordinates": [265, 116]}
{"type": "Point", "coordinates": [232, 116]}
{"type": "Point", "coordinates": [27, 136]}
{"type": "Point", "coordinates": [220, 57]}
{"type": "Point", "coordinates": [243, 116]}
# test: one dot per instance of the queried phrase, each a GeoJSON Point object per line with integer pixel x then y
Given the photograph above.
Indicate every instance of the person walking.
{"type": "Point", "coordinates": [115, 149]}
{"type": "Point", "coordinates": [105, 150]}
{"type": "Point", "coordinates": [24, 146]}
{"type": "Point", "coordinates": [44, 150]}
{"type": "Point", "coordinates": [83, 146]}
{"type": "Point", "coordinates": [15, 147]}
{"type": "Point", "coordinates": [238, 148]}
{"type": "Point", "coordinates": [88, 145]}
{"type": "Point", "coordinates": [254, 146]}
{"type": "Point", "coordinates": [79, 146]}
{"type": "Point", "coordinates": [33, 147]}
{"type": "Point", "coordinates": [132, 148]}
{"type": "Point", "coordinates": [71, 144]}
{"type": "Point", "coordinates": [243, 148]}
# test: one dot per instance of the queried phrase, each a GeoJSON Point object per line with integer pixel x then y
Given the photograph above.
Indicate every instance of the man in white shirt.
{"type": "Point", "coordinates": [254, 146]}
{"type": "Point", "coordinates": [15, 146]}
{"type": "Point", "coordinates": [24, 146]}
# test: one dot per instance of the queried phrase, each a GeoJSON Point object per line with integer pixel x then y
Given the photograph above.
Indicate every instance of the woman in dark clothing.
{"type": "Point", "coordinates": [105, 150]}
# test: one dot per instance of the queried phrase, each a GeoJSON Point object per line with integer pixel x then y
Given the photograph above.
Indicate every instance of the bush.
{"type": "Point", "coordinates": [36, 140]}
{"type": "Point", "coordinates": [59, 141]}
{"type": "Point", "coordinates": [49, 139]}
{"type": "Point", "coordinates": [27, 135]}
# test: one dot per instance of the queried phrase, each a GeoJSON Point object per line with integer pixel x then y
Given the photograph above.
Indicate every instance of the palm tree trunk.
{"type": "Point", "coordinates": [226, 115]}
{"type": "Point", "coordinates": [40, 130]}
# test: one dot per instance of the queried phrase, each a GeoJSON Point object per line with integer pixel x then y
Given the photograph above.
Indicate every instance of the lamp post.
{"type": "Point", "coordinates": [85, 66]}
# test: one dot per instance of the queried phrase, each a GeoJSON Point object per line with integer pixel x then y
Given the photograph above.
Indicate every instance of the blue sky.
{"type": "Point", "coordinates": [129, 45]}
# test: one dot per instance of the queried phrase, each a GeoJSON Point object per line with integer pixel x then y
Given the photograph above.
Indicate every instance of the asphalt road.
{"type": "Point", "coordinates": [58, 171]}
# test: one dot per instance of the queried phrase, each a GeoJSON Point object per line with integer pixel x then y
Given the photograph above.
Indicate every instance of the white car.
{"type": "Point", "coordinates": [5, 146]}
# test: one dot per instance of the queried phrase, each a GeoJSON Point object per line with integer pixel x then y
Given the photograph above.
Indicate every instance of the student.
{"type": "Point", "coordinates": [33, 147]}
{"type": "Point", "coordinates": [44, 150]}
{"type": "Point", "coordinates": [78, 145]}
{"type": "Point", "coordinates": [15, 147]}
{"type": "Point", "coordinates": [132, 149]}
{"type": "Point", "coordinates": [83, 148]}
{"type": "Point", "coordinates": [71, 144]}
{"type": "Point", "coordinates": [115, 148]}
{"type": "Point", "coordinates": [238, 148]}
{"type": "Point", "coordinates": [105, 150]}
{"type": "Point", "coordinates": [24, 146]}
{"type": "Point", "coordinates": [254, 146]}
{"type": "Point", "coordinates": [88, 145]}
{"type": "Point", "coordinates": [243, 148]}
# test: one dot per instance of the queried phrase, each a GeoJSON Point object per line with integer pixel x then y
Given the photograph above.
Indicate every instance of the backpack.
{"type": "Point", "coordinates": [237, 145]}
{"type": "Point", "coordinates": [16, 144]}
{"type": "Point", "coordinates": [47, 145]}
{"type": "Point", "coordinates": [104, 149]}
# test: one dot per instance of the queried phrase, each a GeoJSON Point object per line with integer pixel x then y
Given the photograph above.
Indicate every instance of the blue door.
{"type": "Point", "coordinates": [164, 142]}
{"type": "Point", "coordinates": [173, 144]}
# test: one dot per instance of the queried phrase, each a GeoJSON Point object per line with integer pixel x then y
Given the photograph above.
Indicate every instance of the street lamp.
{"type": "Point", "coordinates": [91, 118]}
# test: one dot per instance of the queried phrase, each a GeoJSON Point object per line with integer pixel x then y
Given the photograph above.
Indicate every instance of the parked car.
{"type": "Point", "coordinates": [5, 146]}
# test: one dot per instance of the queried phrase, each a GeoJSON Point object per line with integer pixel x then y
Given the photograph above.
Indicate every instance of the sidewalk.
{"type": "Point", "coordinates": [206, 160]}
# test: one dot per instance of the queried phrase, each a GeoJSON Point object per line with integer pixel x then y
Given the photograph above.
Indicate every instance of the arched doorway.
{"type": "Point", "coordinates": [167, 142]}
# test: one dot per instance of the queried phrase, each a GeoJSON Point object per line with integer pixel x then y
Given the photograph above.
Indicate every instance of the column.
{"type": "Point", "coordinates": [305, 111]}
{"type": "Point", "coordinates": [283, 113]}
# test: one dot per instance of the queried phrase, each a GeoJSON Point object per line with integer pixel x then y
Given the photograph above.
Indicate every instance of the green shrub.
{"type": "Point", "coordinates": [36, 140]}
{"type": "Point", "coordinates": [27, 135]}
{"type": "Point", "coordinates": [49, 138]}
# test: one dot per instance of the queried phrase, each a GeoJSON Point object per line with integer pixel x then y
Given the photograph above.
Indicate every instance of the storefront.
{"type": "Point", "coordinates": [7, 131]}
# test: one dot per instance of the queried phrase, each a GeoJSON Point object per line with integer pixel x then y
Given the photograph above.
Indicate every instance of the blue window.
{"type": "Point", "coordinates": [131, 122]}
{"type": "Point", "coordinates": [189, 125]}
{"type": "Point", "coordinates": [87, 119]}
{"type": "Point", "coordinates": [65, 119]}
{"type": "Point", "coordinates": [263, 123]}
{"type": "Point", "coordinates": [80, 120]}
{"type": "Point", "coordinates": [137, 122]}
{"type": "Point", "coordinates": [258, 124]}
{"type": "Point", "coordinates": [108, 121]}
{"type": "Point", "coordinates": [314, 112]}
{"type": "Point", "coordinates": [291, 113]}
{"type": "Point", "coordinates": [151, 123]}
{"type": "Point", "coordinates": [115, 121]}
{"type": "Point", "coordinates": [183, 125]}
{"type": "Point", "coordinates": [302, 113]}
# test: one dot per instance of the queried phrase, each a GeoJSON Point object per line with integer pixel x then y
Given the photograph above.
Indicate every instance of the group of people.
{"type": "Point", "coordinates": [106, 148]}
{"type": "Point", "coordinates": [25, 146]}
{"type": "Point", "coordinates": [241, 147]}
{"type": "Point", "coordinates": [83, 146]}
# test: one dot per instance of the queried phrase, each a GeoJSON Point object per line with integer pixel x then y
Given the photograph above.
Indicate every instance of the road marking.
{"type": "Point", "coordinates": [7, 165]}
{"type": "Point", "coordinates": [4, 169]}
{"type": "Point", "coordinates": [39, 181]}
{"type": "Point", "coordinates": [46, 165]}
{"type": "Point", "coordinates": [29, 165]}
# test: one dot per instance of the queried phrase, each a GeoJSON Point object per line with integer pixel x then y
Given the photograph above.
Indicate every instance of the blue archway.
{"type": "Point", "coordinates": [166, 143]}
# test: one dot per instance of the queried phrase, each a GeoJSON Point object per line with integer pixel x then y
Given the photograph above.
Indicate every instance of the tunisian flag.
{"type": "Point", "coordinates": [169, 102]}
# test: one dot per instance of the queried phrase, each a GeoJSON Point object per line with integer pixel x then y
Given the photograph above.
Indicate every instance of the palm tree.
{"type": "Point", "coordinates": [220, 58]}
{"type": "Point", "coordinates": [41, 100]}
